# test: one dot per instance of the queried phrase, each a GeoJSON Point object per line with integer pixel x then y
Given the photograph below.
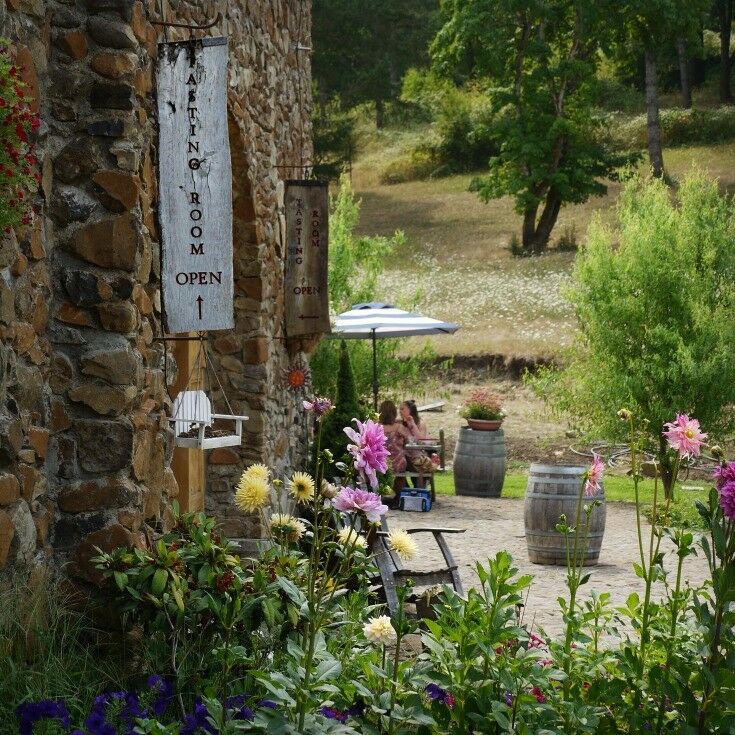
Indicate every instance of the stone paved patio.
{"type": "Point", "coordinates": [493, 524]}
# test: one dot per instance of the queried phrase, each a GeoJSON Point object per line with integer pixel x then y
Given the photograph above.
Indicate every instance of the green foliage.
{"type": "Point", "coordinates": [363, 50]}
{"type": "Point", "coordinates": [346, 407]}
{"type": "Point", "coordinates": [333, 132]}
{"type": "Point", "coordinates": [678, 127]}
{"type": "Point", "coordinates": [538, 63]}
{"type": "Point", "coordinates": [463, 119]}
{"type": "Point", "coordinates": [50, 647]}
{"type": "Point", "coordinates": [656, 306]}
{"type": "Point", "coordinates": [18, 124]}
{"type": "Point", "coordinates": [355, 265]}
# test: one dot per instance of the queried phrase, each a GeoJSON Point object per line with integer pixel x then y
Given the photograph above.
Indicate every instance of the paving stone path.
{"type": "Point", "coordinates": [493, 524]}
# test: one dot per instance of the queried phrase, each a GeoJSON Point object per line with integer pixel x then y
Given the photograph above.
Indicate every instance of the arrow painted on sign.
{"type": "Point", "coordinates": [200, 301]}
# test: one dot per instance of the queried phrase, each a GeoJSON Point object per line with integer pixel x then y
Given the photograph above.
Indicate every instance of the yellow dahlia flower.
{"type": "Point", "coordinates": [252, 493]}
{"type": "Point", "coordinates": [301, 487]}
{"type": "Point", "coordinates": [380, 630]}
{"type": "Point", "coordinates": [258, 471]}
{"type": "Point", "coordinates": [350, 538]}
{"type": "Point", "coordinates": [282, 524]}
{"type": "Point", "coordinates": [402, 543]}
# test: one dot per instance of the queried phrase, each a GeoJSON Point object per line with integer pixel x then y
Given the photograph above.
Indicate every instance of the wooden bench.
{"type": "Point", "coordinates": [393, 574]}
{"type": "Point", "coordinates": [436, 407]}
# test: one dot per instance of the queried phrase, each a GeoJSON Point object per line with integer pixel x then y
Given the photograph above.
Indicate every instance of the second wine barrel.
{"type": "Point", "coordinates": [479, 463]}
{"type": "Point", "coordinates": [552, 491]}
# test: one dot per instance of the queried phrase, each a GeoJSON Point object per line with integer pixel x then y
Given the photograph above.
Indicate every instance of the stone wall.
{"type": "Point", "coordinates": [84, 444]}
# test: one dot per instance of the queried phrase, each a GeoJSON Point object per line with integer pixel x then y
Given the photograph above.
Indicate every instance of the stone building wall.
{"type": "Point", "coordinates": [84, 444]}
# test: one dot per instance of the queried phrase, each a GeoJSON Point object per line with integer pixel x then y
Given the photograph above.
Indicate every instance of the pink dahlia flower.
{"type": "Point", "coordinates": [354, 500]}
{"type": "Point", "coordinates": [684, 435]}
{"type": "Point", "coordinates": [368, 449]}
{"type": "Point", "coordinates": [319, 406]}
{"type": "Point", "coordinates": [594, 475]}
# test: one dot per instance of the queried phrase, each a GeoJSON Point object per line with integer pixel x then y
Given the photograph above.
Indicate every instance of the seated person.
{"type": "Point", "coordinates": [416, 459]}
{"type": "Point", "coordinates": [396, 437]}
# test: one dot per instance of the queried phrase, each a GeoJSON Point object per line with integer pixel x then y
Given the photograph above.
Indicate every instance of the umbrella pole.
{"type": "Point", "coordinates": [375, 374]}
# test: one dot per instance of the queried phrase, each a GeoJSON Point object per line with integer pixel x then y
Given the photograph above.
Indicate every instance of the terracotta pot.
{"type": "Point", "coordinates": [484, 424]}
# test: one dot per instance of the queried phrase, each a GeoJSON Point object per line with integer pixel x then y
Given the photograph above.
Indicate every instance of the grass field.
{"type": "Point", "coordinates": [457, 260]}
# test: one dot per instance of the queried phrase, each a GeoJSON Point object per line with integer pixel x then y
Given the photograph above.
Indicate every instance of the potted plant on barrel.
{"type": "Point", "coordinates": [483, 410]}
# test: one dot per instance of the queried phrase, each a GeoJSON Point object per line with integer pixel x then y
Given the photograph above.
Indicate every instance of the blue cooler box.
{"type": "Point", "coordinates": [415, 499]}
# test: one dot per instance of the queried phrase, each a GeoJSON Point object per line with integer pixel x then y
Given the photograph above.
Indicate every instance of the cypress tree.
{"type": "Point", "coordinates": [346, 407]}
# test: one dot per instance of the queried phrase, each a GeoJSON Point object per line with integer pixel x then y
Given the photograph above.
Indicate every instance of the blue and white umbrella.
{"type": "Point", "coordinates": [376, 320]}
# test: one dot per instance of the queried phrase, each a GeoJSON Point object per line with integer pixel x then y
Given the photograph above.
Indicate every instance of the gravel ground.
{"type": "Point", "coordinates": [494, 524]}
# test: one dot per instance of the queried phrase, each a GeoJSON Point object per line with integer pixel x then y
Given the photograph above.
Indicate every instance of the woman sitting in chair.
{"type": "Point", "coordinates": [417, 460]}
{"type": "Point", "coordinates": [396, 435]}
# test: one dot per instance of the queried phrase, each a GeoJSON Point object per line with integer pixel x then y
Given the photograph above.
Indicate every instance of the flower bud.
{"type": "Point", "coordinates": [329, 491]}
{"type": "Point", "coordinates": [624, 414]}
{"type": "Point", "coordinates": [716, 451]}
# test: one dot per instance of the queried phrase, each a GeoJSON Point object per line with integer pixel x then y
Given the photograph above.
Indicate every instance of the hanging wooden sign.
{"type": "Point", "coordinates": [195, 185]}
{"type": "Point", "coordinates": [307, 238]}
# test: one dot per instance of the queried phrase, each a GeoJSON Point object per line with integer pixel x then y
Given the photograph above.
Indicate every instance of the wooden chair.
{"type": "Point", "coordinates": [393, 574]}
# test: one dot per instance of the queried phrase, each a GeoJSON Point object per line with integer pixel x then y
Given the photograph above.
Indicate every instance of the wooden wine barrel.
{"type": "Point", "coordinates": [479, 463]}
{"type": "Point", "coordinates": [553, 491]}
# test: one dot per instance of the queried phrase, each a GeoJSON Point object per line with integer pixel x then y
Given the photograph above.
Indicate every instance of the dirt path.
{"type": "Point", "coordinates": [496, 524]}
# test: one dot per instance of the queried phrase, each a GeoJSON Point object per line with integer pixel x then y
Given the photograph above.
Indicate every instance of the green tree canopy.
{"type": "Point", "coordinates": [362, 50]}
{"type": "Point", "coordinates": [537, 60]}
{"type": "Point", "coordinates": [655, 299]}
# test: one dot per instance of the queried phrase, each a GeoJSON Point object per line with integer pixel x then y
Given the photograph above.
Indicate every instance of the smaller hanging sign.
{"type": "Point", "coordinates": [307, 239]}
{"type": "Point", "coordinates": [195, 185]}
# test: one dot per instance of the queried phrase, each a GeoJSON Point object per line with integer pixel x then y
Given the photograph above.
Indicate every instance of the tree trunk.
{"type": "Point", "coordinates": [547, 220]}
{"type": "Point", "coordinates": [529, 227]}
{"type": "Point", "coordinates": [684, 74]}
{"type": "Point", "coordinates": [725, 8]}
{"type": "Point", "coordinates": [655, 152]}
{"type": "Point", "coordinates": [379, 113]}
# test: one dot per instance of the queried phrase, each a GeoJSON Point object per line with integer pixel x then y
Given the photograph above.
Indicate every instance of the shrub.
{"type": "Point", "coordinates": [678, 127]}
{"type": "Point", "coordinates": [655, 302]}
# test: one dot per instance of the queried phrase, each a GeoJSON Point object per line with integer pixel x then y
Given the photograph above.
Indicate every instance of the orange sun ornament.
{"type": "Point", "coordinates": [297, 377]}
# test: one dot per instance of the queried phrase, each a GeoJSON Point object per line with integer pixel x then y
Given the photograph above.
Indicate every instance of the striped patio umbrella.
{"type": "Point", "coordinates": [376, 320]}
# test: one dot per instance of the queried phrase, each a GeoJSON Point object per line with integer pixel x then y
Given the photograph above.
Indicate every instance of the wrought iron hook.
{"type": "Point", "coordinates": [204, 27]}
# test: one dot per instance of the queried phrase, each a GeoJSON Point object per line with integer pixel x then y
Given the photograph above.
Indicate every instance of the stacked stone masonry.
{"type": "Point", "coordinates": [85, 448]}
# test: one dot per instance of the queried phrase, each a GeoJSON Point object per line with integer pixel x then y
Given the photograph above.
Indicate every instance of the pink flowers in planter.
{"type": "Point", "coordinates": [368, 449]}
{"type": "Point", "coordinates": [684, 435]}
{"type": "Point", "coordinates": [594, 475]}
{"type": "Point", "coordinates": [354, 500]}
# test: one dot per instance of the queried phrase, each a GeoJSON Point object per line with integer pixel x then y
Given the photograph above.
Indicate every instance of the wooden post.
{"type": "Point", "coordinates": [188, 464]}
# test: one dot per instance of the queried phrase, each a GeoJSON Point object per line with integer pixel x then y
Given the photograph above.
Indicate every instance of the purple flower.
{"type": "Point", "coordinates": [352, 500]}
{"type": "Point", "coordinates": [724, 474]}
{"type": "Point", "coordinates": [165, 692]}
{"type": "Point", "coordinates": [97, 724]}
{"type": "Point", "coordinates": [438, 694]}
{"type": "Point", "coordinates": [333, 714]}
{"type": "Point", "coordinates": [509, 699]}
{"type": "Point", "coordinates": [319, 406]}
{"type": "Point", "coordinates": [357, 709]}
{"type": "Point", "coordinates": [47, 709]}
{"type": "Point", "coordinates": [198, 720]}
{"type": "Point", "coordinates": [368, 449]}
{"type": "Point", "coordinates": [268, 703]}
{"type": "Point", "coordinates": [727, 499]}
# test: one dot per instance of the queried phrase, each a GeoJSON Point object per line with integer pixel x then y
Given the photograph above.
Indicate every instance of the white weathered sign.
{"type": "Point", "coordinates": [195, 185]}
{"type": "Point", "coordinates": [307, 241]}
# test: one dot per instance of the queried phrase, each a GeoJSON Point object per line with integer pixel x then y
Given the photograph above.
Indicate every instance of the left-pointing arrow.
{"type": "Point", "coordinates": [200, 301]}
